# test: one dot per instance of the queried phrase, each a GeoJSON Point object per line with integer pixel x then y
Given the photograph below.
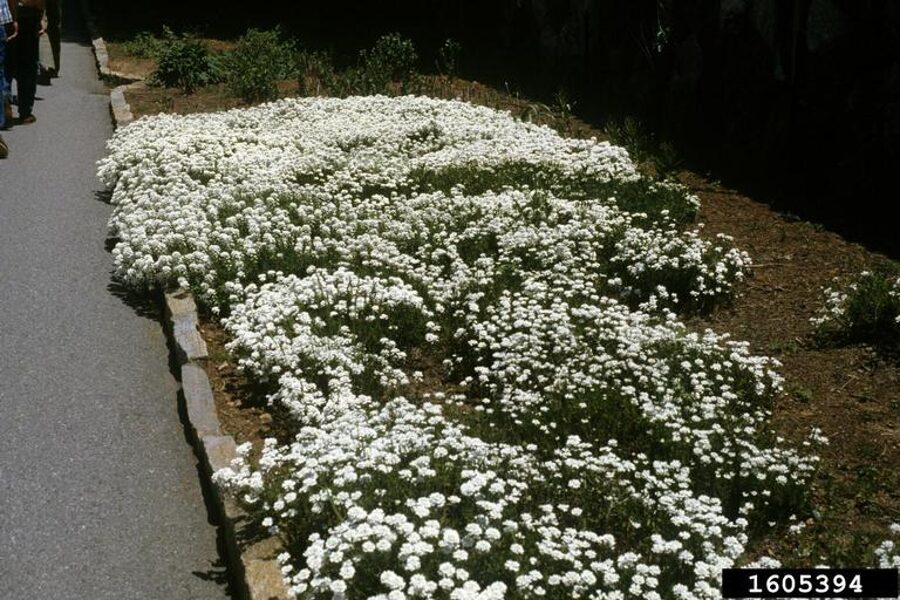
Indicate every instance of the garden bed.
{"type": "Point", "coordinates": [842, 510]}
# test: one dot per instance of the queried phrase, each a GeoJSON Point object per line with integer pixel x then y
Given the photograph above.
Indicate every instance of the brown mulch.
{"type": "Point", "coordinates": [122, 62]}
{"type": "Point", "coordinates": [852, 393]}
{"type": "Point", "coordinates": [241, 405]}
{"type": "Point", "coordinates": [150, 100]}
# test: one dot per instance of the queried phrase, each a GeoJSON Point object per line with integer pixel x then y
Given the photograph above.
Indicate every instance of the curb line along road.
{"type": "Point", "coordinates": [101, 499]}
{"type": "Point", "coordinates": [253, 568]}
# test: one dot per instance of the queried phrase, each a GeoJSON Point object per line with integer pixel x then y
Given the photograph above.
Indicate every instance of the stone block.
{"type": "Point", "coordinates": [198, 399]}
{"type": "Point", "coordinates": [220, 450]}
{"type": "Point", "coordinates": [264, 580]}
{"type": "Point", "coordinates": [188, 341]}
{"type": "Point", "coordinates": [180, 302]}
{"type": "Point", "coordinates": [181, 311]}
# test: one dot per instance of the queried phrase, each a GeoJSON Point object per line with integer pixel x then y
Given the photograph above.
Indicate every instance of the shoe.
{"type": "Point", "coordinates": [27, 120]}
{"type": "Point", "coordinates": [4, 149]}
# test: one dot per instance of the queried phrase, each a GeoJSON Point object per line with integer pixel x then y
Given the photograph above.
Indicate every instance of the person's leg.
{"type": "Point", "coordinates": [4, 92]}
{"type": "Point", "coordinates": [54, 23]}
{"type": "Point", "coordinates": [26, 69]}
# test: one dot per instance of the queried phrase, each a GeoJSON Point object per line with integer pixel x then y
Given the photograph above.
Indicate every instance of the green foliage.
{"type": "Point", "coordinates": [259, 61]}
{"type": "Point", "coordinates": [658, 202]}
{"type": "Point", "coordinates": [667, 160]}
{"type": "Point", "coordinates": [633, 136]}
{"type": "Point", "coordinates": [873, 309]}
{"type": "Point", "coordinates": [866, 309]}
{"type": "Point", "coordinates": [149, 45]}
{"type": "Point", "coordinates": [185, 63]}
{"type": "Point", "coordinates": [562, 104]}
{"type": "Point", "coordinates": [392, 59]}
{"type": "Point", "coordinates": [315, 73]}
{"type": "Point", "coordinates": [448, 58]}
{"type": "Point", "coordinates": [643, 147]}
{"type": "Point", "coordinates": [388, 67]}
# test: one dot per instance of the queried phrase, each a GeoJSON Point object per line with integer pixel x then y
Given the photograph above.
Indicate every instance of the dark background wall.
{"type": "Point", "coordinates": [794, 101]}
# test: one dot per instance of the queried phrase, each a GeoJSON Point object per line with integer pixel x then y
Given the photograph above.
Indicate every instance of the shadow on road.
{"type": "Point", "coordinates": [144, 304]}
{"type": "Point", "coordinates": [150, 305]}
{"type": "Point", "coordinates": [217, 573]}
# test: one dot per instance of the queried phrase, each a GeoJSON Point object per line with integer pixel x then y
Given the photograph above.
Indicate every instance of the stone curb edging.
{"type": "Point", "coordinates": [253, 565]}
{"type": "Point", "coordinates": [122, 115]}
{"type": "Point", "coordinates": [119, 106]}
{"type": "Point", "coordinates": [100, 51]}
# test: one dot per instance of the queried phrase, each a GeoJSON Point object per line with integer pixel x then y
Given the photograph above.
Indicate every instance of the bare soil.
{"type": "Point", "coordinates": [122, 62]}
{"type": "Point", "coordinates": [852, 393]}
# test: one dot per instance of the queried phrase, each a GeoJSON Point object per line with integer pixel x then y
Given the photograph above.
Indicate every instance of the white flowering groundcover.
{"type": "Point", "coordinates": [471, 324]}
{"type": "Point", "coordinates": [866, 306]}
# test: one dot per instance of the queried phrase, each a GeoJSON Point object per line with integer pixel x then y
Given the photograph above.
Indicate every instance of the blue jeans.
{"type": "Point", "coordinates": [4, 82]}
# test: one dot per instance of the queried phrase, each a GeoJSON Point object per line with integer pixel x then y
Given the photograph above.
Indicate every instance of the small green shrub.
{"type": "Point", "coordinates": [259, 61]}
{"type": "Point", "coordinates": [149, 45]}
{"type": "Point", "coordinates": [633, 136]}
{"type": "Point", "coordinates": [448, 58]}
{"type": "Point", "coordinates": [643, 146]}
{"type": "Point", "coordinates": [866, 309]}
{"type": "Point", "coordinates": [185, 63]}
{"type": "Point", "coordinates": [393, 58]}
{"type": "Point", "coordinates": [315, 73]}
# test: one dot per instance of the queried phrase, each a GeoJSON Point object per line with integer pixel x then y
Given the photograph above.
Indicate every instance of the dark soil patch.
{"type": "Point", "coordinates": [151, 100]}
{"type": "Point", "coordinates": [242, 406]}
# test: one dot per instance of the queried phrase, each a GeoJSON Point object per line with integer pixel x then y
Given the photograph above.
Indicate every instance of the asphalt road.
{"type": "Point", "coordinates": [99, 490]}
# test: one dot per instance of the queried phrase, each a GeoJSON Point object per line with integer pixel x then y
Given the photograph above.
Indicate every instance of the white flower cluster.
{"type": "Point", "coordinates": [888, 552]}
{"type": "Point", "coordinates": [207, 199]}
{"type": "Point", "coordinates": [876, 291]}
{"type": "Point", "coordinates": [468, 321]}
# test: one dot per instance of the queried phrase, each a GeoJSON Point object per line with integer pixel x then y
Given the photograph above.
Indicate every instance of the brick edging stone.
{"type": "Point", "coordinates": [100, 51]}
{"type": "Point", "coordinates": [122, 115]}
{"type": "Point", "coordinates": [254, 568]}
{"type": "Point", "coordinates": [253, 565]}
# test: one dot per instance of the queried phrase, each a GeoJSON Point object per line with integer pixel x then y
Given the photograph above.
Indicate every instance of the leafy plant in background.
{"type": "Point", "coordinates": [185, 63]}
{"type": "Point", "coordinates": [447, 62]}
{"type": "Point", "coordinates": [667, 160]}
{"type": "Point", "coordinates": [643, 147]}
{"type": "Point", "coordinates": [149, 45]}
{"type": "Point", "coordinates": [631, 135]}
{"type": "Point", "coordinates": [315, 73]}
{"type": "Point", "coordinates": [392, 59]}
{"type": "Point", "coordinates": [259, 61]}
{"type": "Point", "coordinates": [866, 309]}
{"type": "Point", "coordinates": [562, 110]}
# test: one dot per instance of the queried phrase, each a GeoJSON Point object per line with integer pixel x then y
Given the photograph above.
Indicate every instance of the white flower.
{"type": "Point", "coordinates": [395, 270]}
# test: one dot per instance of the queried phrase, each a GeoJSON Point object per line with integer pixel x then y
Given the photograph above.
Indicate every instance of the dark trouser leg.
{"type": "Point", "coordinates": [27, 59]}
{"type": "Point", "coordinates": [4, 92]}
{"type": "Point", "coordinates": [54, 21]}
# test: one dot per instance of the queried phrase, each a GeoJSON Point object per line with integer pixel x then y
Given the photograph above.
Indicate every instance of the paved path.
{"type": "Point", "coordinates": [99, 491]}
